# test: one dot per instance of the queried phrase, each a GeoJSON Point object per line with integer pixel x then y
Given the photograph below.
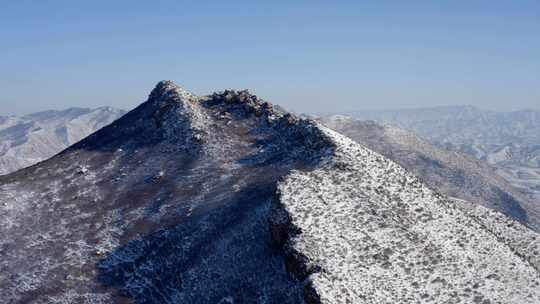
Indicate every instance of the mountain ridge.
{"type": "Point", "coordinates": [451, 172]}
{"type": "Point", "coordinates": [509, 141]}
{"type": "Point", "coordinates": [226, 199]}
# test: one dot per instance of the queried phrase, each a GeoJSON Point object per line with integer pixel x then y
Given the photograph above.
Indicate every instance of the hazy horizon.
{"type": "Point", "coordinates": [337, 112]}
{"type": "Point", "coordinates": [306, 56]}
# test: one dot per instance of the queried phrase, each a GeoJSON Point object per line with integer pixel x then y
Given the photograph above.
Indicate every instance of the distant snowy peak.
{"type": "Point", "coordinates": [25, 140]}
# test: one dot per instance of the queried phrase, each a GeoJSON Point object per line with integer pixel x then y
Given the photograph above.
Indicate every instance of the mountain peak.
{"type": "Point", "coordinates": [167, 90]}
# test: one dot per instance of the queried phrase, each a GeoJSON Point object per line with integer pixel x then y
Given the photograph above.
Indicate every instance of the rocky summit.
{"type": "Point", "coordinates": [227, 199]}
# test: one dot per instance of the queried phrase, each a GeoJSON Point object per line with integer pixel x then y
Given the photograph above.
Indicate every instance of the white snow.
{"type": "Point", "coordinates": [381, 236]}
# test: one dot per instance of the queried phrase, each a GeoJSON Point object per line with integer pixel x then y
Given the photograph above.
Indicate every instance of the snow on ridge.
{"type": "Point", "coordinates": [363, 230]}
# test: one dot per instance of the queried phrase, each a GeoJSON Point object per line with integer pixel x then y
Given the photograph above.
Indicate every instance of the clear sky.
{"type": "Point", "coordinates": [305, 55]}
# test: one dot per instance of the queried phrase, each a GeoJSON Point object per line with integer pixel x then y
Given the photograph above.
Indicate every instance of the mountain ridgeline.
{"type": "Point", "coordinates": [510, 141]}
{"type": "Point", "coordinates": [227, 199]}
{"type": "Point", "coordinates": [453, 173]}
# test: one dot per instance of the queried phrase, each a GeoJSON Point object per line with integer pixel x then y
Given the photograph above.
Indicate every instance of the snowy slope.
{"type": "Point", "coordinates": [508, 140]}
{"type": "Point", "coordinates": [28, 139]}
{"type": "Point", "coordinates": [226, 199]}
{"type": "Point", "coordinates": [452, 173]}
{"type": "Point", "coordinates": [373, 233]}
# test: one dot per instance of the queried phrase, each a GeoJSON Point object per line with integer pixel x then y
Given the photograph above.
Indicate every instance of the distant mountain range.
{"type": "Point", "coordinates": [452, 172]}
{"type": "Point", "coordinates": [508, 140]}
{"type": "Point", "coordinates": [225, 199]}
{"type": "Point", "coordinates": [26, 140]}
{"type": "Point", "coordinates": [463, 124]}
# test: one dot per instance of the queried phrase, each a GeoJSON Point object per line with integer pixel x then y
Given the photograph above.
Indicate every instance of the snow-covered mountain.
{"type": "Point", "coordinates": [226, 199]}
{"type": "Point", "coordinates": [26, 140]}
{"type": "Point", "coordinates": [451, 172]}
{"type": "Point", "coordinates": [508, 140]}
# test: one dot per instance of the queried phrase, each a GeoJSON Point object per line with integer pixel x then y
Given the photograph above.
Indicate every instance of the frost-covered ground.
{"type": "Point", "coordinates": [224, 199]}
{"type": "Point", "coordinates": [372, 233]}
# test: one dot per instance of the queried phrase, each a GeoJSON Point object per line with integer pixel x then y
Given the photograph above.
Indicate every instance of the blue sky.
{"type": "Point", "coordinates": [304, 55]}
